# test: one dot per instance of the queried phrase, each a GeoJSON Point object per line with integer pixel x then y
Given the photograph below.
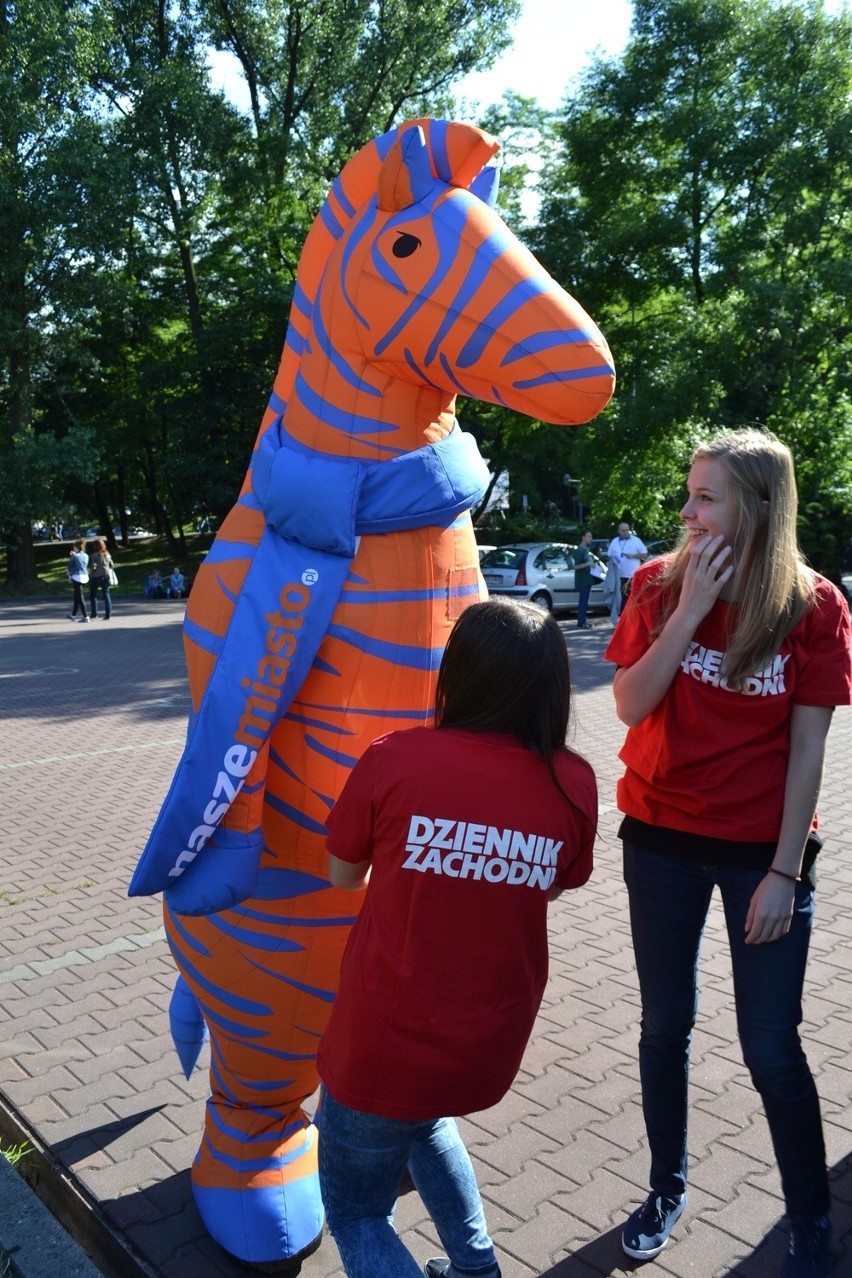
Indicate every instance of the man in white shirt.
{"type": "Point", "coordinates": [627, 552]}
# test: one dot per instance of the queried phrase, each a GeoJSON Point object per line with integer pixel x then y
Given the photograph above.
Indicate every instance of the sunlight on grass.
{"type": "Point", "coordinates": [133, 564]}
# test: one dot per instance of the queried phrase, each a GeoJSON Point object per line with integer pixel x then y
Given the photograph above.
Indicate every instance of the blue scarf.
{"type": "Point", "coordinates": [316, 507]}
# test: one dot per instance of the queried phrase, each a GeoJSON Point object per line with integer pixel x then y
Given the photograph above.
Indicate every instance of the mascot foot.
{"type": "Point", "coordinates": [292, 1265]}
{"type": "Point", "coordinates": [270, 1217]}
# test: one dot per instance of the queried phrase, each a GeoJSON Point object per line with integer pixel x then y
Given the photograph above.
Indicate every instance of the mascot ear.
{"type": "Point", "coordinates": [486, 185]}
{"type": "Point", "coordinates": [406, 174]}
{"type": "Point", "coordinates": [455, 153]}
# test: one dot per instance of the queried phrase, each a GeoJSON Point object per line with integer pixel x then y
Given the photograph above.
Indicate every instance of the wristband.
{"type": "Point", "coordinates": [794, 878]}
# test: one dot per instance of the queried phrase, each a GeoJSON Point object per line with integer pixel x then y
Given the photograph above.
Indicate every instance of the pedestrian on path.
{"type": "Point", "coordinates": [731, 656]}
{"type": "Point", "coordinates": [461, 834]}
{"type": "Point", "coordinates": [100, 567]}
{"type": "Point", "coordinates": [584, 562]}
{"type": "Point", "coordinates": [627, 553]}
{"type": "Point", "coordinates": [78, 575]}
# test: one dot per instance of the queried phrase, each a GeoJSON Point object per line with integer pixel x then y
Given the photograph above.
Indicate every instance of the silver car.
{"type": "Point", "coordinates": [541, 571]}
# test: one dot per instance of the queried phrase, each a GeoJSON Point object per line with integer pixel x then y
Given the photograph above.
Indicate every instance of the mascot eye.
{"type": "Point", "coordinates": [404, 245]}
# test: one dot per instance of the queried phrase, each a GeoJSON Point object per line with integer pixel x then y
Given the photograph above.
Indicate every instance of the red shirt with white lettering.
{"type": "Point", "coordinates": [712, 761]}
{"type": "Point", "coordinates": [447, 962]}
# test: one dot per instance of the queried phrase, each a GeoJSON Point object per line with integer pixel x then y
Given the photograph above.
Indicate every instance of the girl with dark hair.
{"type": "Point", "coordinates": [732, 655]}
{"type": "Point", "coordinates": [461, 833]}
{"type": "Point", "coordinates": [99, 570]}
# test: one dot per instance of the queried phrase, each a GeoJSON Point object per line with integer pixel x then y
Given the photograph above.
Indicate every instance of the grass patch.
{"type": "Point", "coordinates": [15, 1153]}
{"type": "Point", "coordinates": [133, 564]}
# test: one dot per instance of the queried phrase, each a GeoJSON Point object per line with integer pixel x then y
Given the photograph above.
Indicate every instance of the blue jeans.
{"type": "Point", "coordinates": [669, 899]}
{"type": "Point", "coordinates": [101, 584]}
{"type": "Point", "coordinates": [362, 1158]}
{"type": "Point", "coordinates": [583, 603]}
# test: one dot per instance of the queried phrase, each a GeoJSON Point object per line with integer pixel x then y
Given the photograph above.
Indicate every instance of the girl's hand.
{"type": "Point", "coordinates": [770, 910]}
{"type": "Point", "coordinates": [708, 571]}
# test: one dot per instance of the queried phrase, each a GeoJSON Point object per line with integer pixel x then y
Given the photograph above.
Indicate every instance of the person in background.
{"type": "Point", "coordinates": [154, 587]}
{"type": "Point", "coordinates": [177, 584]}
{"type": "Point", "coordinates": [99, 568]}
{"type": "Point", "coordinates": [628, 553]}
{"type": "Point", "coordinates": [583, 561]}
{"type": "Point", "coordinates": [78, 575]}
{"type": "Point", "coordinates": [731, 656]}
{"type": "Point", "coordinates": [461, 833]}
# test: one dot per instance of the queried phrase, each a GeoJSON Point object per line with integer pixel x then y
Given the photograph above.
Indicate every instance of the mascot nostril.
{"type": "Point", "coordinates": [317, 623]}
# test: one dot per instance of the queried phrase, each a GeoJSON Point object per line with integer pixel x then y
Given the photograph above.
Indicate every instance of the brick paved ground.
{"type": "Point", "coordinates": [92, 726]}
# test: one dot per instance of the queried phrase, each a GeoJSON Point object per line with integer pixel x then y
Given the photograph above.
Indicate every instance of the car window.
{"type": "Point", "coordinates": [551, 559]}
{"type": "Point", "coordinates": [504, 557]}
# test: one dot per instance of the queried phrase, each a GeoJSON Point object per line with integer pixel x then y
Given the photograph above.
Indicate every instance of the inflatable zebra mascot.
{"type": "Point", "coordinates": [317, 623]}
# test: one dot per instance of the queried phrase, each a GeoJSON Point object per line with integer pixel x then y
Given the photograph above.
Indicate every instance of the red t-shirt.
{"type": "Point", "coordinates": [447, 962]}
{"type": "Point", "coordinates": [712, 761]}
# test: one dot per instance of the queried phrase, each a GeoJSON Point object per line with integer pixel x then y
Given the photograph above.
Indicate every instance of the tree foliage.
{"type": "Point", "coordinates": [150, 229]}
{"type": "Point", "coordinates": [696, 198]}
{"type": "Point", "coordinates": [700, 203]}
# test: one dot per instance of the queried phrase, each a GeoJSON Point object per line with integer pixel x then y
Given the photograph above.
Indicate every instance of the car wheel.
{"type": "Point", "coordinates": [541, 600]}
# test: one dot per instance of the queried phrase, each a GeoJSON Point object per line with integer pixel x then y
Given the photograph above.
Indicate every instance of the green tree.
{"type": "Point", "coordinates": [701, 205]}
{"type": "Point", "coordinates": [150, 230]}
{"type": "Point", "coordinates": [47, 51]}
{"type": "Point", "coordinates": [520, 125]}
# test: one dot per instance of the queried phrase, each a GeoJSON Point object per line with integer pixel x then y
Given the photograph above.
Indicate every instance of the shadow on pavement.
{"type": "Point", "coordinates": [135, 668]}
{"type": "Point", "coordinates": [88, 1142]}
{"type": "Point", "coordinates": [604, 1256]}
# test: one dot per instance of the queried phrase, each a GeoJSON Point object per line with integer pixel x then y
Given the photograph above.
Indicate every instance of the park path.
{"type": "Point", "coordinates": [92, 721]}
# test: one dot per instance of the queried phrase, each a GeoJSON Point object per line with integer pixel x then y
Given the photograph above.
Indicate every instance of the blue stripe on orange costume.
{"type": "Point", "coordinates": [318, 620]}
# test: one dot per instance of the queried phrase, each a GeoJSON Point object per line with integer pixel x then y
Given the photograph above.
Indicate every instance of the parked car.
{"type": "Point", "coordinates": [132, 532]}
{"type": "Point", "coordinates": [541, 571]}
{"type": "Point", "coordinates": [663, 547]}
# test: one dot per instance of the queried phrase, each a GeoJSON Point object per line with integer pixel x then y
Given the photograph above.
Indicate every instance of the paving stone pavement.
{"type": "Point", "coordinates": [92, 727]}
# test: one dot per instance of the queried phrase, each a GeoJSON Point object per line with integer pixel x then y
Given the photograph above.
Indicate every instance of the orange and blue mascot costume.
{"type": "Point", "coordinates": [318, 620]}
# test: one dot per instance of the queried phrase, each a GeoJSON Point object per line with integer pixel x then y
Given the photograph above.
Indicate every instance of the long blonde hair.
{"type": "Point", "coordinates": [772, 585]}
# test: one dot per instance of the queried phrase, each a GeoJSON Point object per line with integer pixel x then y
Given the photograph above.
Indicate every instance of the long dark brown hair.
{"type": "Point", "coordinates": [506, 669]}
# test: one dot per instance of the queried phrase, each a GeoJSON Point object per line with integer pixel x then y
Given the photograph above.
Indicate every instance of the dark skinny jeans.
{"type": "Point", "coordinates": [669, 900]}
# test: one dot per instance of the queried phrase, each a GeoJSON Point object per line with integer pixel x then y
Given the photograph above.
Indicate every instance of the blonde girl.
{"type": "Point", "coordinates": [732, 654]}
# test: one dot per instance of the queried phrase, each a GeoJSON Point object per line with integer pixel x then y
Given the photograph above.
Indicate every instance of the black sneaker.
{"type": "Point", "coordinates": [810, 1248]}
{"type": "Point", "coordinates": [647, 1230]}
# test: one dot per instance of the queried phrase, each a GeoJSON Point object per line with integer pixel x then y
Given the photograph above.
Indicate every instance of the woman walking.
{"type": "Point", "coordinates": [100, 567]}
{"type": "Point", "coordinates": [78, 575]}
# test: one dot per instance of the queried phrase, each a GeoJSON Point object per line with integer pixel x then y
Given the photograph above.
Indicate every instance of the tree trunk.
{"type": "Point", "coordinates": [20, 558]}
